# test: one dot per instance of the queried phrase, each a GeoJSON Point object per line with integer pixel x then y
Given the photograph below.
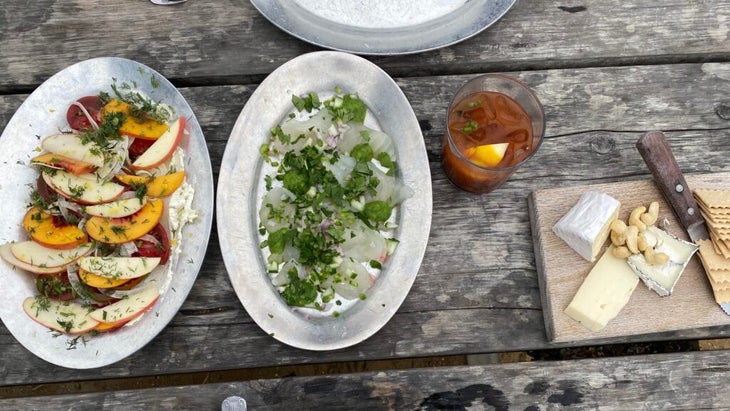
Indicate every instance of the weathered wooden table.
{"type": "Point", "coordinates": [606, 72]}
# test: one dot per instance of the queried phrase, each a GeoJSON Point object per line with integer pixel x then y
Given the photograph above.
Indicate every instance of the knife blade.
{"type": "Point", "coordinates": [660, 160]}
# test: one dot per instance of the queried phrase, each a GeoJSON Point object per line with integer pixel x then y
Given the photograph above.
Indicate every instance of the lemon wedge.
{"type": "Point", "coordinates": [488, 155]}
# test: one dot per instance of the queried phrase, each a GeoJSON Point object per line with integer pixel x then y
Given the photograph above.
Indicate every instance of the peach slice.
{"type": "Point", "coordinates": [37, 255]}
{"type": "Point", "coordinates": [145, 129]}
{"type": "Point", "coordinates": [58, 161]}
{"type": "Point", "coordinates": [44, 229]}
{"type": "Point", "coordinates": [162, 149]}
{"type": "Point", "coordinates": [83, 189]}
{"type": "Point", "coordinates": [122, 230]}
{"type": "Point", "coordinates": [7, 254]}
{"type": "Point", "coordinates": [98, 281]}
{"type": "Point", "coordinates": [128, 308]}
{"type": "Point", "coordinates": [116, 209]}
{"type": "Point", "coordinates": [119, 267]}
{"type": "Point", "coordinates": [161, 186]}
{"type": "Point", "coordinates": [106, 327]}
{"type": "Point", "coordinates": [64, 316]}
{"type": "Point", "coordinates": [71, 146]}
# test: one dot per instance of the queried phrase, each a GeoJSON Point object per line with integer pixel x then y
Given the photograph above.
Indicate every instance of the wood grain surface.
{"type": "Point", "coordinates": [681, 381]}
{"type": "Point", "coordinates": [217, 42]}
{"type": "Point", "coordinates": [477, 289]}
{"type": "Point", "coordinates": [561, 271]}
{"type": "Point", "coordinates": [606, 72]}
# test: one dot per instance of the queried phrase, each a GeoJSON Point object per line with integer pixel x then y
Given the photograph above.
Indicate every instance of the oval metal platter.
{"type": "Point", "coordinates": [44, 113]}
{"type": "Point", "coordinates": [241, 187]}
{"type": "Point", "coordinates": [383, 27]}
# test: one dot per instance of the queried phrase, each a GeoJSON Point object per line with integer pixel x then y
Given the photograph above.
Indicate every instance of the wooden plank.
{"type": "Point", "coordinates": [694, 380]}
{"type": "Point", "coordinates": [222, 42]}
{"type": "Point", "coordinates": [561, 271]}
{"type": "Point", "coordinates": [477, 289]}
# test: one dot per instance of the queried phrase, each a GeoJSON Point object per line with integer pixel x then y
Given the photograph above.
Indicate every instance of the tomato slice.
{"type": "Point", "coordinates": [160, 249]}
{"type": "Point", "coordinates": [56, 287]}
{"type": "Point", "coordinates": [138, 147]}
{"type": "Point", "coordinates": [76, 117]}
{"type": "Point", "coordinates": [46, 193]}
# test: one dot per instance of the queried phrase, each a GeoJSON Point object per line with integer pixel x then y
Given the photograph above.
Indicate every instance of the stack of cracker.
{"type": "Point", "coordinates": [715, 252]}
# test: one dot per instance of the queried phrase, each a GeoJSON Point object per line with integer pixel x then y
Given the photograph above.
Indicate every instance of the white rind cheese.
{"type": "Point", "coordinates": [662, 278]}
{"type": "Point", "coordinates": [585, 227]}
{"type": "Point", "coordinates": [604, 292]}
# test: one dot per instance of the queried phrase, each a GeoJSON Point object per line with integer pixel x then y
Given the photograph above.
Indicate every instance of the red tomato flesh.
{"type": "Point", "coordinates": [150, 249]}
{"type": "Point", "coordinates": [138, 147]}
{"type": "Point", "coordinates": [76, 118]}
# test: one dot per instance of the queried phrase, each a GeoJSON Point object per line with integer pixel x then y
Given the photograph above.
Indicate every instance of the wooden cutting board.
{"type": "Point", "coordinates": [561, 270]}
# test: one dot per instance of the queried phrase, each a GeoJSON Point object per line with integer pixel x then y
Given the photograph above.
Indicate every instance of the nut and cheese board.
{"type": "Point", "coordinates": [561, 270]}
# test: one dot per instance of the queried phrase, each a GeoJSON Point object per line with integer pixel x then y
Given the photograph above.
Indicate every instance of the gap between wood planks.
{"type": "Point", "coordinates": [119, 384]}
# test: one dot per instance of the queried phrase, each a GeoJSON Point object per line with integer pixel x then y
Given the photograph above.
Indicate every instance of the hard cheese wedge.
{"type": "Point", "coordinates": [604, 292]}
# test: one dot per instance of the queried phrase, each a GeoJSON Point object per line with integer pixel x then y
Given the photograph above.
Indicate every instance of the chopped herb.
{"type": "Point", "coordinates": [377, 211]}
{"type": "Point", "coordinates": [299, 293]}
{"type": "Point", "coordinates": [140, 189]}
{"type": "Point", "coordinates": [470, 127]}
{"type": "Point", "coordinates": [66, 325]}
{"type": "Point", "coordinates": [77, 191]}
{"type": "Point", "coordinates": [348, 108]}
{"type": "Point", "coordinates": [362, 152]}
{"type": "Point", "coordinates": [307, 103]}
{"type": "Point", "coordinates": [143, 108]}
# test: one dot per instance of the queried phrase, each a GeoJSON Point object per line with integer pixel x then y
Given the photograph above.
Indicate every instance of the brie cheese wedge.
{"type": "Point", "coordinates": [585, 227]}
{"type": "Point", "coordinates": [662, 278]}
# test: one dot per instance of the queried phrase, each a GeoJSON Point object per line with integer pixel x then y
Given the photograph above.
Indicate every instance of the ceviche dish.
{"type": "Point", "coordinates": [103, 226]}
{"type": "Point", "coordinates": [328, 213]}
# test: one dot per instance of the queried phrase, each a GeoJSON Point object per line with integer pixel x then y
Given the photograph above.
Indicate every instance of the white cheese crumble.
{"type": "Point", "coordinates": [180, 212]}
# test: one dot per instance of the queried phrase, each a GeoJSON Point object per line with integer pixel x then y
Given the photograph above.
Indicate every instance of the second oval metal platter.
{"type": "Point", "coordinates": [240, 191]}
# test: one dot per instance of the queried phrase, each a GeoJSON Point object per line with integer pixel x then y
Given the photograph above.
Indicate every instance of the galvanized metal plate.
{"type": "Point", "coordinates": [383, 27]}
{"type": "Point", "coordinates": [44, 113]}
{"type": "Point", "coordinates": [241, 188]}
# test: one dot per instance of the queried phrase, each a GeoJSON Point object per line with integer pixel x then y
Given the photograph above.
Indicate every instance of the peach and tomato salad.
{"type": "Point", "coordinates": [94, 221]}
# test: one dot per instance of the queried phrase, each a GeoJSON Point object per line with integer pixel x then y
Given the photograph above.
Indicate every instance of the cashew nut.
{"type": "Point", "coordinates": [635, 218]}
{"type": "Point", "coordinates": [618, 232]}
{"type": "Point", "coordinates": [621, 252]}
{"type": "Point", "coordinates": [641, 243]}
{"type": "Point", "coordinates": [650, 217]}
{"type": "Point", "coordinates": [632, 239]}
{"type": "Point", "coordinates": [653, 257]}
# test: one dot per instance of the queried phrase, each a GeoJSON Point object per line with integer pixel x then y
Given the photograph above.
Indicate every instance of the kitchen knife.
{"type": "Point", "coordinates": [657, 154]}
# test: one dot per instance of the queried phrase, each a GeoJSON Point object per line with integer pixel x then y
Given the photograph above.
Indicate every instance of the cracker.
{"type": "Point", "coordinates": [713, 198]}
{"type": "Point", "coordinates": [723, 235]}
{"type": "Point", "coordinates": [715, 245]}
{"type": "Point", "coordinates": [720, 227]}
{"type": "Point", "coordinates": [719, 285]}
{"type": "Point", "coordinates": [718, 278]}
{"type": "Point", "coordinates": [721, 247]}
{"type": "Point", "coordinates": [715, 218]}
{"type": "Point", "coordinates": [717, 214]}
{"type": "Point", "coordinates": [713, 261]}
{"type": "Point", "coordinates": [722, 296]}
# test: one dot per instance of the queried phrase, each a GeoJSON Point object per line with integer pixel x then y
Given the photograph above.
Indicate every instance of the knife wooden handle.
{"type": "Point", "coordinates": [657, 154]}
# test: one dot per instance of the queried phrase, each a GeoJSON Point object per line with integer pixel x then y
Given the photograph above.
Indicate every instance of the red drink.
{"type": "Point", "coordinates": [489, 134]}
